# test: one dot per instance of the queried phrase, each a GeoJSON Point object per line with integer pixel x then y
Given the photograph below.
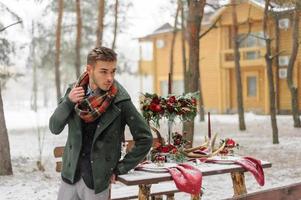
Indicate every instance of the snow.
{"type": "Point", "coordinates": [27, 182]}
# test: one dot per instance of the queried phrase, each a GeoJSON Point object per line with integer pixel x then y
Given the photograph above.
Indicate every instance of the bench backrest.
{"type": "Point", "coordinates": [59, 151]}
{"type": "Point", "coordinates": [289, 192]}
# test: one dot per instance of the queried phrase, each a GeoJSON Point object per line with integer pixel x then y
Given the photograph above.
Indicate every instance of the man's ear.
{"type": "Point", "coordinates": [89, 68]}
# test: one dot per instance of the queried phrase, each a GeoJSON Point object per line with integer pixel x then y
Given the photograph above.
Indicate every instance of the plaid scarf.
{"type": "Point", "coordinates": [90, 108]}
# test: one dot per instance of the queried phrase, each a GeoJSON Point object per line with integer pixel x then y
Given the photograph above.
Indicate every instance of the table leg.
{"type": "Point", "coordinates": [144, 192]}
{"type": "Point", "coordinates": [239, 185]}
{"type": "Point", "coordinates": [195, 197]}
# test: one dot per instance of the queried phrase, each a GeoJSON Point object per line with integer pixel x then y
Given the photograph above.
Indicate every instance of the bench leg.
{"type": "Point", "coordinates": [170, 197]}
{"type": "Point", "coordinates": [157, 197]}
{"type": "Point", "coordinates": [239, 185]}
{"type": "Point", "coordinates": [144, 192]}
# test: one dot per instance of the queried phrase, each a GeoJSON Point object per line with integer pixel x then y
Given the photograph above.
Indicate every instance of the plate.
{"type": "Point", "coordinates": [225, 159]}
{"type": "Point", "coordinates": [153, 167]}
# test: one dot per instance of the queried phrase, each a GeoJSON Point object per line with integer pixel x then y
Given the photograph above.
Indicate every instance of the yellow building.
{"type": "Point", "coordinates": [216, 60]}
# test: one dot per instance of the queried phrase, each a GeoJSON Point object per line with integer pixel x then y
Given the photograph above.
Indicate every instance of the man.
{"type": "Point", "coordinates": [96, 109]}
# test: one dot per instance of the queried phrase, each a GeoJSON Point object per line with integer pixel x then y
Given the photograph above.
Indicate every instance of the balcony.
{"type": "Point", "coordinates": [251, 56]}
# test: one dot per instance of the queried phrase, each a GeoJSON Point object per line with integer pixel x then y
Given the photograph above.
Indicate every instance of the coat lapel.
{"type": "Point", "coordinates": [106, 119]}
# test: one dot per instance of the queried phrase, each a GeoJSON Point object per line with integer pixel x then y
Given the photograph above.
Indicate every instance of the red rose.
{"type": "Point", "coordinates": [174, 150]}
{"type": "Point", "coordinates": [170, 107]}
{"type": "Point", "coordinates": [224, 151]}
{"type": "Point", "coordinates": [160, 158]}
{"type": "Point", "coordinates": [155, 107]}
{"type": "Point", "coordinates": [165, 149]}
{"type": "Point", "coordinates": [171, 99]}
{"type": "Point", "coordinates": [193, 101]}
{"type": "Point", "coordinates": [230, 143]}
{"type": "Point", "coordinates": [158, 108]}
{"type": "Point", "coordinates": [177, 141]}
{"type": "Point", "coordinates": [156, 100]}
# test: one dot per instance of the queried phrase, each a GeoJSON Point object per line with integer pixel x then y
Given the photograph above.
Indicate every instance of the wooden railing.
{"type": "Point", "coordinates": [252, 56]}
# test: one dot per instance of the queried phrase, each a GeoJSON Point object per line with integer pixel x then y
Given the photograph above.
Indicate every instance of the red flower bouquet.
{"type": "Point", "coordinates": [154, 107]}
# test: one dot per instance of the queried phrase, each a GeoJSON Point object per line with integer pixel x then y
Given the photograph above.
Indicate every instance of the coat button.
{"type": "Point", "coordinates": [91, 162]}
{"type": "Point", "coordinates": [70, 146]}
{"type": "Point", "coordinates": [69, 164]}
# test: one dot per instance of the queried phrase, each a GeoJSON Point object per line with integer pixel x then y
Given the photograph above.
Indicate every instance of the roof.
{"type": "Point", "coordinates": [210, 15]}
{"type": "Point", "coordinates": [257, 3]}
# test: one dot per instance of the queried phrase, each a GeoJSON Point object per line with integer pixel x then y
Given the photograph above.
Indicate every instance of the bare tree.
{"type": "Point", "coordinates": [183, 43]}
{"type": "Point", "coordinates": [115, 23]}
{"type": "Point", "coordinates": [58, 48]}
{"type": "Point", "coordinates": [192, 75]}
{"type": "Point", "coordinates": [235, 40]}
{"type": "Point", "coordinates": [171, 54]}
{"type": "Point", "coordinates": [78, 38]}
{"type": "Point", "coordinates": [5, 161]}
{"type": "Point", "coordinates": [100, 22]}
{"type": "Point", "coordinates": [5, 158]}
{"type": "Point", "coordinates": [270, 75]}
{"type": "Point", "coordinates": [32, 57]}
{"type": "Point", "coordinates": [277, 50]}
{"type": "Point", "coordinates": [290, 69]}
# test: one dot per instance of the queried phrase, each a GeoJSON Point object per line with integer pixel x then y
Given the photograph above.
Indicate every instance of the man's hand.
{"type": "Point", "coordinates": [113, 178]}
{"type": "Point", "coordinates": [76, 94]}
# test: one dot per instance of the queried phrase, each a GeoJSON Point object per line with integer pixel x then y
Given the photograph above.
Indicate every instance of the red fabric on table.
{"type": "Point", "coordinates": [187, 178]}
{"type": "Point", "coordinates": [254, 166]}
{"type": "Point", "coordinates": [248, 163]}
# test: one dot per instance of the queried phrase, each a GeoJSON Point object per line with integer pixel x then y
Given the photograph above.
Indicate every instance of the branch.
{"type": "Point", "coordinates": [210, 28]}
{"type": "Point", "coordinates": [277, 54]}
{"type": "Point", "coordinates": [18, 22]}
{"type": "Point", "coordinates": [10, 11]}
{"type": "Point", "coordinates": [215, 7]}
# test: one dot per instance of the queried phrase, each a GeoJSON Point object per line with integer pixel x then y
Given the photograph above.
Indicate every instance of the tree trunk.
{"type": "Point", "coordinates": [78, 38]}
{"type": "Point", "coordinates": [240, 106]}
{"type": "Point", "coordinates": [195, 15]}
{"type": "Point", "coordinates": [290, 69]}
{"type": "Point", "coordinates": [58, 49]}
{"type": "Point", "coordinates": [100, 19]}
{"type": "Point", "coordinates": [277, 49]}
{"type": "Point", "coordinates": [115, 24]}
{"type": "Point", "coordinates": [5, 160]}
{"type": "Point", "coordinates": [173, 41]}
{"type": "Point", "coordinates": [34, 100]}
{"type": "Point", "coordinates": [183, 39]}
{"type": "Point", "coordinates": [270, 75]}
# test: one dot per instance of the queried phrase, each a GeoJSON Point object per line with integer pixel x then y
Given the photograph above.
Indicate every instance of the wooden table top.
{"type": "Point", "coordinates": [208, 169]}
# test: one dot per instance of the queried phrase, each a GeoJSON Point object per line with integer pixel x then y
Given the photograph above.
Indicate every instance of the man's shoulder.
{"type": "Point", "coordinates": [122, 94]}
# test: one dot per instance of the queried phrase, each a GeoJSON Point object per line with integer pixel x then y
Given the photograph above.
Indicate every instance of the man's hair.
{"type": "Point", "coordinates": [102, 54]}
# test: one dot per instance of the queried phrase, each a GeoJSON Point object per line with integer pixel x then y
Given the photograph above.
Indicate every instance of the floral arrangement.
{"type": "Point", "coordinates": [230, 144]}
{"type": "Point", "coordinates": [154, 107]}
{"type": "Point", "coordinates": [172, 151]}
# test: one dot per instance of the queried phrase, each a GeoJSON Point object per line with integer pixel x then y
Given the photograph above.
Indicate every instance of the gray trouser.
{"type": "Point", "coordinates": [79, 191]}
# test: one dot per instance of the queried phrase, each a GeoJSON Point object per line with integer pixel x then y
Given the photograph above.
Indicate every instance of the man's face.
{"type": "Point", "coordinates": [101, 75]}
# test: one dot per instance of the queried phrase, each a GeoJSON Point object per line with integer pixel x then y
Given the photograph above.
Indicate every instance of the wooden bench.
{"type": "Point", "coordinates": [128, 192]}
{"type": "Point", "coordinates": [288, 192]}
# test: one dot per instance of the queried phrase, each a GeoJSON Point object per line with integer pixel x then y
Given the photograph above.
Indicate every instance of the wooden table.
{"type": "Point", "coordinates": [145, 179]}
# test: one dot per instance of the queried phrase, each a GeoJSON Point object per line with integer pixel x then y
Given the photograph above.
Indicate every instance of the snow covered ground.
{"type": "Point", "coordinates": [29, 183]}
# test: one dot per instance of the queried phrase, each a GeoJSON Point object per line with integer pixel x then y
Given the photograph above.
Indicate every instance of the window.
{"type": "Point", "coordinates": [252, 55]}
{"type": "Point", "coordinates": [252, 86]}
{"type": "Point", "coordinates": [146, 51]}
{"type": "Point", "coordinates": [252, 40]}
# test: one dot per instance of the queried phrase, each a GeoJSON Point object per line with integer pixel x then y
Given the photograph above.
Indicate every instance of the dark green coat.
{"type": "Point", "coordinates": [106, 147]}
